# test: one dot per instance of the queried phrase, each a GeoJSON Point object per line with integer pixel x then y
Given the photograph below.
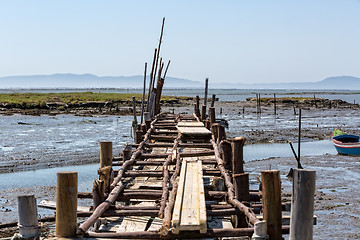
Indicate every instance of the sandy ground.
{"type": "Point", "coordinates": [337, 205]}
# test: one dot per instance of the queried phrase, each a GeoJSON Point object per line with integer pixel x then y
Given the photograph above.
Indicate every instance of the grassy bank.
{"type": "Point", "coordinates": [22, 99]}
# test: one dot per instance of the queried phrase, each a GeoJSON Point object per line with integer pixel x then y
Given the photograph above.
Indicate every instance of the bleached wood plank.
{"type": "Point", "coordinates": [197, 131]}
{"type": "Point", "coordinates": [190, 210]}
{"type": "Point", "coordinates": [190, 124]}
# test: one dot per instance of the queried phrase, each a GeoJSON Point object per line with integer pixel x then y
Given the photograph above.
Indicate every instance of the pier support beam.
{"type": "Point", "coordinates": [240, 179]}
{"type": "Point", "coordinates": [106, 156]}
{"type": "Point", "coordinates": [271, 190]}
{"type": "Point", "coordinates": [66, 204]}
{"type": "Point", "coordinates": [302, 204]}
{"type": "Point", "coordinates": [28, 216]}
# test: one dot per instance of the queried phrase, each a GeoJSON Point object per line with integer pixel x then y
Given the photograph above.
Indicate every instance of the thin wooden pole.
{"type": "Point", "coordinates": [271, 190]}
{"type": "Point", "coordinates": [167, 67]}
{"type": "Point", "coordinates": [28, 216]}
{"type": "Point", "coordinates": [213, 100]}
{"type": "Point", "coordinates": [151, 79]}
{"type": "Point", "coordinates": [134, 125]}
{"type": "Point", "coordinates": [66, 204]}
{"type": "Point", "coordinates": [226, 154]}
{"type": "Point", "coordinates": [206, 91]}
{"type": "Point", "coordinates": [274, 104]}
{"type": "Point", "coordinates": [302, 204]}
{"type": "Point", "coordinates": [158, 53]}
{"type": "Point", "coordinates": [299, 140]}
{"type": "Point", "coordinates": [143, 96]}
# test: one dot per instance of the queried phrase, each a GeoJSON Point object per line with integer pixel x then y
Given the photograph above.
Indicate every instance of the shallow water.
{"type": "Point", "coordinates": [87, 173]}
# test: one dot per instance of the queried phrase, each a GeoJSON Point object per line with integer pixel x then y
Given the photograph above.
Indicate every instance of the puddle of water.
{"type": "Point", "coordinates": [267, 150]}
{"type": "Point", "coordinates": [47, 177]}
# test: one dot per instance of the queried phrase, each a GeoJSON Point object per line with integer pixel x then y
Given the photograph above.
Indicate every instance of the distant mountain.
{"type": "Point", "coordinates": [92, 81]}
{"type": "Point", "coordinates": [340, 82]}
{"type": "Point", "coordinates": [88, 81]}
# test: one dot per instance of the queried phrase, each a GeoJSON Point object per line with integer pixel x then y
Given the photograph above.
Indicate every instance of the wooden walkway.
{"type": "Point", "coordinates": [173, 183]}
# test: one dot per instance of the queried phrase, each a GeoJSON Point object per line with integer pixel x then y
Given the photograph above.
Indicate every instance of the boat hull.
{"type": "Point", "coordinates": [347, 144]}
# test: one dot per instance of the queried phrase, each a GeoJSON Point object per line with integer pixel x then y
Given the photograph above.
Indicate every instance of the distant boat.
{"type": "Point", "coordinates": [345, 143]}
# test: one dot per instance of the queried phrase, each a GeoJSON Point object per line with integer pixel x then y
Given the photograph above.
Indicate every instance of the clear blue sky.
{"type": "Point", "coordinates": [228, 41]}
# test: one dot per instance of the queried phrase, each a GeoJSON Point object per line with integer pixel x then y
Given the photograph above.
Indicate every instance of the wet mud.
{"type": "Point", "coordinates": [43, 142]}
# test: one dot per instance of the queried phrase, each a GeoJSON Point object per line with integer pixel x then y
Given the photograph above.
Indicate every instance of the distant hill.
{"type": "Point", "coordinates": [93, 81]}
{"type": "Point", "coordinates": [88, 81]}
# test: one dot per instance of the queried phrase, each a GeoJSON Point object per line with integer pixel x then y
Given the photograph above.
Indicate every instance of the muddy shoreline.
{"type": "Point", "coordinates": [337, 192]}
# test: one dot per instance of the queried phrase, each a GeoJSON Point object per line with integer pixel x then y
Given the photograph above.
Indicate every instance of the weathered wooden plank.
{"type": "Point", "coordinates": [190, 209]}
{"type": "Point", "coordinates": [190, 124]}
{"type": "Point", "coordinates": [194, 131]}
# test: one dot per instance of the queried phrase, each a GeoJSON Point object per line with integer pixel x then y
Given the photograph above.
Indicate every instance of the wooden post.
{"type": "Point", "coordinates": [226, 154]}
{"type": "Point", "coordinates": [271, 197]}
{"type": "Point", "coordinates": [197, 106]}
{"type": "Point", "coordinates": [203, 112]}
{"type": "Point", "coordinates": [315, 101]}
{"type": "Point", "coordinates": [143, 96]}
{"type": "Point", "coordinates": [274, 104]}
{"type": "Point", "coordinates": [134, 112]}
{"type": "Point", "coordinates": [221, 132]}
{"type": "Point", "coordinates": [299, 138]}
{"type": "Point", "coordinates": [106, 156]}
{"type": "Point", "coordinates": [215, 131]}
{"type": "Point", "coordinates": [259, 104]}
{"type": "Point", "coordinates": [240, 179]}
{"type": "Point", "coordinates": [151, 80]}
{"type": "Point", "coordinates": [302, 204]}
{"type": "Point", "coordinates": [212, 115]}
{"type": "Point", "coordinates": [206, 90]}
{"type": "Point", "coordinates": [213, 100]}
{"type": "Point", "coordinates": [127, 152]}
{"type": "Point", "coordinates": [66, 204]}
{"type": "Point", "coordinates": [260, 231]}
{"type": "Point", "coordinates": [138, 136]}
{"type": "Point", "coordinates": [28, 216]}
{"type": "Point", "coordinates": [147, 117]}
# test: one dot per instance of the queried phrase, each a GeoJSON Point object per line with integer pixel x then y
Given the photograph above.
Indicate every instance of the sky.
{"type": "Point", "coordinates": [253, 41]}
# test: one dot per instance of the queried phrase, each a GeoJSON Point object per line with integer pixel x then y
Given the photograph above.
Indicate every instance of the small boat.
{"type": "Point", "coordinates": [345, 143]}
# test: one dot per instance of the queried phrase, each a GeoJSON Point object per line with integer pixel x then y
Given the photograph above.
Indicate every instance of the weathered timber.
{"type": "Point", "coordinates": [165, 184]}
{"type": "Point", "coordinates": [302, 202]}
{"type": "Point", "coordinates": [186, 154]}
{"type": "Point", "coordinates": [143, 96]}
{"type": "Point", "coordinates": [189, 210]}
{"type": "Point", "coordinates": [157, 162]}
{"type": "Point", "coordinates": [246, 210]}
{"type": "Point", "coordinates": [117, 186]}
{"type": "Point", "coordinates": [271, 187]}
{"type": "Point", "coordinates": [106, 156]}
{"type": "Point", "coordinates": [66, 204]}
{"type": "Point", "coordinates": [211, 233]}
{"type": "Point", "coordinates": [181, 145]}
{"type": "Point", "coordinates": [28, 216]}
{"type": "Point", "coordinates": [212, 115]}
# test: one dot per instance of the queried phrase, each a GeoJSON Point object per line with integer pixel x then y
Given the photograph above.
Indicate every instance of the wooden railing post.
{"type": "Point", "coordinates": [226, 154]}
{"type": "Point", "coordinates": [212, 115]}
{"type": "Point", "coordinates": [240, 179]}
{"type": "Point", "coordinates": [66, 204]}
{"type": "Point", "coordinates": [271, 197]}
{"type": "Point", "coordinates": [197, 106]}
{"type": "Point", "coordinates": [302, 204]}
{"type": "Point", "coordinates": [106, 156]}
{"type": "Point", "coordinates": [28, 216]}
{"type": "Point", "coordinates": [203, 113]}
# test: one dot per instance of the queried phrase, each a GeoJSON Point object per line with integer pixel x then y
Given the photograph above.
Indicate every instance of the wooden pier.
{"type": "Point", "coordinates": [174, 184]}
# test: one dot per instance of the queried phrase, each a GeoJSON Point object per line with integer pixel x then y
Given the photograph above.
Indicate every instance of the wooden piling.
{"type": "Point", "coordinates": [221, 132]}
{"type": "Point", "coordinates": [197, 106]}
{"type": "Point", "coordinates": [271, 190]}
{"type": "Point", "coordinates": [213, 98]}
{"type": "Point", "coordinates": [66, 204]}
{"type": "Point", "coordinates": [106, 156]}
{"type": "Point", "coordinates": [134, 124]}
{"type": "Point", "coordinates": [240, 179]}
{"type": "Point", "coordinates": [302, 204]}
{"type": "Point", "coordinates": [274, 104]}
{"type": "Point", "coordinates": [299, 139]}
{"type": "Point", "coordinates": [203, 113]}
{"type": "Point", "coordinates": [226, 154]}
{"type": "Point", "coordinates": [143, 96]}
{"type": "Point", "coordinates": [206, 91]}
{"type": "Point", "coordinates": [212, 115]}
{"type": "Point", "coordinates": [28, 216]}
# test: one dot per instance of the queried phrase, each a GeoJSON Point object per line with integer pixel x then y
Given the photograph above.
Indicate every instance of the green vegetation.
{"type": "Point", "coordinates": [26, 99]}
